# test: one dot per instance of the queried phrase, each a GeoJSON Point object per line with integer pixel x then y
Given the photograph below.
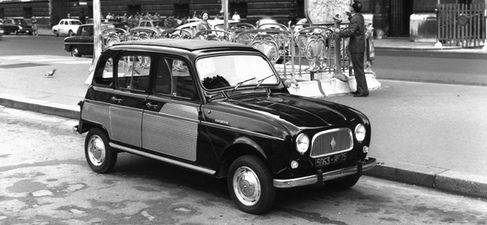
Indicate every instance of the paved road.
{"type": "Point", "coordinates": [428, 129]}
{"type": "Point", "coordinates": [433, 66]}
{"type": "Point", "coordinates": [44, 179]}
{"type": "Point", "coordinates": [437, 67]}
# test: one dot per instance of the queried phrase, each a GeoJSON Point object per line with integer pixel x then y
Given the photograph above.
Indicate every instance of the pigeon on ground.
{"type": "Point", "coordinates": [50, 74]}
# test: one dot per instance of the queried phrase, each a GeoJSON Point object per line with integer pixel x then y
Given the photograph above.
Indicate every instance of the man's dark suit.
{"type": "Point", "coordinates": [356, 46]}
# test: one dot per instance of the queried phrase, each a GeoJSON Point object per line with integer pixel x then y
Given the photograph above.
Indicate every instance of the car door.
{"type": "Point", "coordinates": [128, 100]}
{"type": "Point", "coordinates": [170, 123]}
{"type": "Point", "coordinates": [85, 39]}
{"type": "Point", "coordinates": [62, 27]}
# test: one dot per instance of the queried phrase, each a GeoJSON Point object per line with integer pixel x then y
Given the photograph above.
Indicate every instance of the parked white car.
{"type": "Point", "coordinates": [66, 27]}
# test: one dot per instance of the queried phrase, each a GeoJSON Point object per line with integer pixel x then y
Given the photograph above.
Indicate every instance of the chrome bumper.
{"type": "Point", "coordinates": [364, 165]}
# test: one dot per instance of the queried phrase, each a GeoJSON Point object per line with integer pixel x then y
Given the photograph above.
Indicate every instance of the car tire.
{"type": "Point", "coordinates": [99, 155]}
{"type": "Point", "coordinates": [70, 33]}
{"type": "Point", "coordinates": [56, 33]}
{"type": "Point", "coordinates": [250, 183]}
{"type": "Point", "coordinates": [75, 52]}
{"type": "Point", "coordinates": [343, 183]}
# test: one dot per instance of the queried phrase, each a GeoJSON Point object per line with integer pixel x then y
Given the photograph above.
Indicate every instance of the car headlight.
{"type": "Point", "coordinates": [302, 143]}
{"type": "Point", "coordinates": [360, 132]}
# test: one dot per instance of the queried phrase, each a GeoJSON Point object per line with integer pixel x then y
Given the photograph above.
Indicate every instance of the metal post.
{"type": "Point", "coordinates": [485, 26]}
{"type": "Point", "coordinates": [97, 29]}
{"type": "Point", "coordinates": [225, 13]}
{"type": "Point", "coordinates": [96, 39]}
{"type": "Point", "coordinates": [437, 10]}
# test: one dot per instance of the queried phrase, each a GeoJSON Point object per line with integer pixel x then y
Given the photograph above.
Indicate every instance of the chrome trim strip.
{"type": "Point", "coordinates": [160, 158]}
{"type": "Point", "coordinates": [331, 153]}
{"type": "Point", "coordinates": [171, 116]}
{"type": "Point", "coordinates": [96, 101]}
{"type": "Point", "coordinates": [126, 107]}
{"type": "Point", "coordinates": [312, 179]}
{"type": "Point", "coordinates": [79, 43]}
{"type": "Point", "coordinates": [241, 130]}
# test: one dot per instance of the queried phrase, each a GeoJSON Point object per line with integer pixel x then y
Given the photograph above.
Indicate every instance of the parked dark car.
{"type": "Point", "coordinates": [16, 26]}
{"type": "Point", "coordinates": [219, 108]}
{"type": "Point", "coordinates": [82, 42]}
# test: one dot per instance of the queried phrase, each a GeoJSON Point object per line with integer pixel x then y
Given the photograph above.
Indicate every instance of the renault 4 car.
{"type": "Point", "coordinates": [219, 108]}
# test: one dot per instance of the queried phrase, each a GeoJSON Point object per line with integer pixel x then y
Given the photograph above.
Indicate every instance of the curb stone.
{"type": "Point", "coordinates": [431, 177]}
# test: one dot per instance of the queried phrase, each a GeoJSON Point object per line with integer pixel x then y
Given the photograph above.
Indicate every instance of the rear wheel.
{"type": "Point", "coordinates": [99, 155]}
{"type": "Point", "coordinates": [250, 184]}
{"type": "Point", "coordinates": [70, 33]}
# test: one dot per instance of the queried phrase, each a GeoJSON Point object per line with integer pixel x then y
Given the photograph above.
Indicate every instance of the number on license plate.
{"type": "Point", "coordinates": [328, 160]}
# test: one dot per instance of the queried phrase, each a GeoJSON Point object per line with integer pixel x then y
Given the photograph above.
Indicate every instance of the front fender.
{"type": "Point", "coordinates": [250, 142]}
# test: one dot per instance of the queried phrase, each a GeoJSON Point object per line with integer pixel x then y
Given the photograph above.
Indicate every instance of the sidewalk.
{"type": "Point", "coordinates": [433, 136]}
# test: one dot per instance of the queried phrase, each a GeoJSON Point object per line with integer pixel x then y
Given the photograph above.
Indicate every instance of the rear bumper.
{"type": "Point", "coordinates": [363, 165]}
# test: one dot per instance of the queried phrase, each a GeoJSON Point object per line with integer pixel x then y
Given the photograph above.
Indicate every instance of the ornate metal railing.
{"type": "Point", "coordinates": [310, 50]}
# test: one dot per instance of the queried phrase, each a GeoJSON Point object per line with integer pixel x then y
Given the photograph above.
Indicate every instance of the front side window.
{"type": "Point", "coordinates": [133, 72]}
{"type": "Point", "coordinates": [235, 70]}
{"type": "Point", "coordinates": [173, 77]}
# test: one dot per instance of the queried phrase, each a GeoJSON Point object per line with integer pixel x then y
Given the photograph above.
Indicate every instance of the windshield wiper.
{"type": "Point", "coordinates": [242, 82]}
{"type": "Point", "coordinates": [259, 82]}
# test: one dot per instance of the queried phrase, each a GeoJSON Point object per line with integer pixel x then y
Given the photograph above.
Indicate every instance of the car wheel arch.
{"type": "Point", "coordinates": [241, 146]}
{"type": "Point", "coordinates": [87, 126]}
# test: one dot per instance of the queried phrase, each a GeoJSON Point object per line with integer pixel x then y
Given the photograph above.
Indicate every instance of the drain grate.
{"type": "Point", "coordinates": [20, 65]}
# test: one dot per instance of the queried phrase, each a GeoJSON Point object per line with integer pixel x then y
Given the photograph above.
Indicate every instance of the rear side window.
{"type": "Point", "coordinates": [104, 73]}
{"type": "Point", "coordinates": [133, 72]}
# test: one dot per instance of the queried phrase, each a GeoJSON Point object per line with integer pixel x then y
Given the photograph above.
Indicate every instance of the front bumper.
{"type": "Point", "coordinates": [363, 165]}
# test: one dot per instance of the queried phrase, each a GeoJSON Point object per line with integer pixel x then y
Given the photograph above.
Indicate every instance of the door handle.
{"type": "Point", "coordinates": [149, 105]}
{"type": "Point", "coordinates": [116, 100]}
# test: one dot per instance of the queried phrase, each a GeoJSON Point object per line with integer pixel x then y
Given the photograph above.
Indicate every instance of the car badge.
{"type": "Point", "coordinates": [333, 144]}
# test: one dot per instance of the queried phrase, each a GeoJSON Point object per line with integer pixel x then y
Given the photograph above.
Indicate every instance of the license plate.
{"type": "Point", "coordinates": [329, 160]}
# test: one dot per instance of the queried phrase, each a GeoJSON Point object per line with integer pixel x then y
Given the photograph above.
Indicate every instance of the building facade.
{"type": "Point", "coordinates": [392, 17]}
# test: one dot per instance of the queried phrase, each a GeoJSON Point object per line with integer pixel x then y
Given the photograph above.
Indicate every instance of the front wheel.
{"type": "Point", "coordinates": [250, 184]}
{"type": "Point", "coordinates": [99, 155]}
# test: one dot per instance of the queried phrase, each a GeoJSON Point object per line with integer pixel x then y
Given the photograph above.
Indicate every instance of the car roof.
{"type": "Point", "coordinates": [188, 44]}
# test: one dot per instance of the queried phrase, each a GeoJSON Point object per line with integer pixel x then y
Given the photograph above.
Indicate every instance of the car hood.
{"type": "Point", "coordinates": [296, 111]}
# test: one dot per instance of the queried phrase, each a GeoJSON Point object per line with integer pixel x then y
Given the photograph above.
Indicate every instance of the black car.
{"type": "Point", "coordinates": [16, 26]}
{"type": "Point", "coordinates": [82, 42]}
{"type": "Point", "coordinates": [219, 108]}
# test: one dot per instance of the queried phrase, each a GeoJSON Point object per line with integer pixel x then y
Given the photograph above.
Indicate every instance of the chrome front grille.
{"type": "Point", "coordinates": [331, 142]}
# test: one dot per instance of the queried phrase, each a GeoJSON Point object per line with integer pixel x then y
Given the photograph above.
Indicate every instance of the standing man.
{"type": "Point", "coordinates": [356, 46]}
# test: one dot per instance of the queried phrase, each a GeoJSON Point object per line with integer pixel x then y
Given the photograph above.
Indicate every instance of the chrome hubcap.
{"type": "Point", "coordinates": [96, 150]}
{"type": "Point", "coordinates": [246, 186]}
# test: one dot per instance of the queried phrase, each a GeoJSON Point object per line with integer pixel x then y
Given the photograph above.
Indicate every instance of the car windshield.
{"type": "Point", "coordinates": [234, 71]}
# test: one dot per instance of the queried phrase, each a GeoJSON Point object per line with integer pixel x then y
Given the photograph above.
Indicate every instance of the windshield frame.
{"type": "Point", "coordinates": [242, 86]}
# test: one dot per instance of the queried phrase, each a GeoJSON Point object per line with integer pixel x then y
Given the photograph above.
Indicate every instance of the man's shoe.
{"type": "Point", "coordinates": [360, 95]}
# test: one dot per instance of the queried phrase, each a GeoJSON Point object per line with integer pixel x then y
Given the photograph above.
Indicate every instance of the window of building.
{"type": "Point", "coordinates": [240, 7]}
{"type": "Point", "coordinates": [134, 9]}
{"type": "Point", "coordinates": [181, 10]}
{"type": "Point", "coordinates": [27, 12]}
